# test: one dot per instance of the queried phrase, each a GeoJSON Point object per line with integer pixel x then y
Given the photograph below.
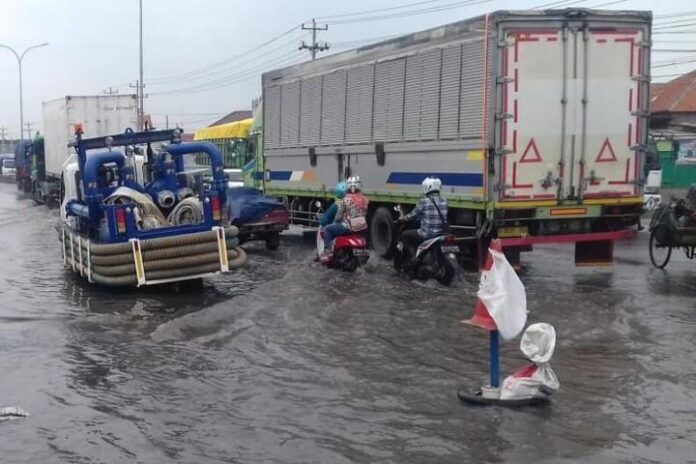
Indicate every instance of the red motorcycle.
{"type": "Point", "coordinates": [348, 252]}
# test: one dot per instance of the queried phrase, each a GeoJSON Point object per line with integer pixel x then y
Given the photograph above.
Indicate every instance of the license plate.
{"type": "Point", "coordinates": [520, 231]}
{"type": "Point", "coordinates": [450, 249]}
{"type": "Point", "coordinates": [361, 252]}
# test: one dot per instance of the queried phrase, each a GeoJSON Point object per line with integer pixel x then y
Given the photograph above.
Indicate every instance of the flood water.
{"type": "Point", "coordinates": [286, 362]}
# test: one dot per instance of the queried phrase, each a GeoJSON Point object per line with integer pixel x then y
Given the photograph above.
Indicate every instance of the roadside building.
{"type": "Point", "coordinates": [673, 127]}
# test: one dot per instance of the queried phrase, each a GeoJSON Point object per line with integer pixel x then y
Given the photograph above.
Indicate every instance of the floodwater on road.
{"type": "Point", "coordinates": [287, 362]}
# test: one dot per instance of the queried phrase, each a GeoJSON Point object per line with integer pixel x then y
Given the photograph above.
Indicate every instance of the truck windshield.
{"type": "Point", "coordinates": [8, 163]}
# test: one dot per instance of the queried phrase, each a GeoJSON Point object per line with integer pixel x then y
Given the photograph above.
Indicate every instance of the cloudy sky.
{"type": "Point", "coordinates": [204, 58]}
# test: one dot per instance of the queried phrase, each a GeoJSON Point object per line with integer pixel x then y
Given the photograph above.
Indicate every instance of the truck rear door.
{"type": "Point", "coordinates": [569, 121]}
{"type": "Point", "coordinates": [532, 124]}
{"type": "Point", "coordinates": [611, 64]}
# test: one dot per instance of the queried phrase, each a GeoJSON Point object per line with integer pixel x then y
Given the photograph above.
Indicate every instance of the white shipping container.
{"type": "Point", "coordinates": [99, 115]}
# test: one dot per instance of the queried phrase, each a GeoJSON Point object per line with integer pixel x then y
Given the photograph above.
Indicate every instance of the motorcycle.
{"type": "Point", "coordinates": [348, 251]}
{"type": "Point", "coordinates": [435, 257]}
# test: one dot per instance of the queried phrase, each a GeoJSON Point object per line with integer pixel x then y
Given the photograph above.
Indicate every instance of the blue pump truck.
{"type": "Point", "coordinates": [137, 210]}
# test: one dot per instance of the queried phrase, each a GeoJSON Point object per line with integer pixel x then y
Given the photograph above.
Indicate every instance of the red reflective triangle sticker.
{"type": "Point", "coordinates": [606, 153]}
{"type": "Point", "coordinates": [533, 150]}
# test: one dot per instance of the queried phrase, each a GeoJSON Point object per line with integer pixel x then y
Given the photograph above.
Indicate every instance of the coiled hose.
{"type": "Point", "coordinates": [188, 211]}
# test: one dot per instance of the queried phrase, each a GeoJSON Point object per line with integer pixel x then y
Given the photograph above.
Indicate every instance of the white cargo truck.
{"type": "Point", "coordinates": [535, 121]}
{"type": "Point", "coordinates": [98, 116]}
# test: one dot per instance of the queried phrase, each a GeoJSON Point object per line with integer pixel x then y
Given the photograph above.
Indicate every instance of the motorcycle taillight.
{"type": "Point", "coordinates": [449, 239]}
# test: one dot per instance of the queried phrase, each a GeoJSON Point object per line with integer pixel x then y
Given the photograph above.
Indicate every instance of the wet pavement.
{"type": "Point", "coordinates": [287, 362]}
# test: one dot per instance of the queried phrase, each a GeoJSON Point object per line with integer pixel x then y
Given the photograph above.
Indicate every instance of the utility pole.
{"type": "Point", "coordinates": [166, 124]}
{"type": "Point", "coordinates": [29, 124]}
{"type": "Point", "coordinates": [110, 91]}
{"type": "Point", "coordinates": [2, 133]}
{"type": "Point", "coordinates": [141, 115]}
{"type": "Point", "coordinates": [315, 47]}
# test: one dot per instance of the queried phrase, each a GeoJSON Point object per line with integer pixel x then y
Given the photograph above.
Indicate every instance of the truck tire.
{"type": "Point", "coordinates": [382, 232]}
{"type": "Point", "coordinates": [273, 241]}
{"type": "Point", "coordinates": [38, 194]}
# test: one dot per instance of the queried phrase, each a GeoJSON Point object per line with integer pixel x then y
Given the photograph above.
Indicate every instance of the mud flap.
{"type": "Point", "coordinates": [600, 253]}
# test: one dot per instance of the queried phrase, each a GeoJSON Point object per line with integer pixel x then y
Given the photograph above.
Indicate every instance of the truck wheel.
{"type": "Point", "coordinates": [273, 242]}
{"type": "Point", "coordinates": [382, 232]}
{"type": "Point", "coordinates": [39, 197]}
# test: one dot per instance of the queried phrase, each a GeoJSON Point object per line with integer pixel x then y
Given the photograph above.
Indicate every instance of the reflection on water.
{"type": "Point", "coordinates": [287, 362]}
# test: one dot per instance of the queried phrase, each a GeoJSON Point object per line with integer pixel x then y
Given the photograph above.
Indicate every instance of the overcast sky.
{"type": "Point", "coordinates": [94, 45]}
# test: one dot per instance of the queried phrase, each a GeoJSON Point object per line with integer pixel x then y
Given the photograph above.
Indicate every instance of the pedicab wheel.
{"type": "Point", "coordinates": [273, 241]}
{"type": "Point", "coordinates": [659, 254]}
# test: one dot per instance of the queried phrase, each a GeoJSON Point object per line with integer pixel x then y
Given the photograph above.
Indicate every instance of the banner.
{"type": "Point", "coordinates": [686, 153]}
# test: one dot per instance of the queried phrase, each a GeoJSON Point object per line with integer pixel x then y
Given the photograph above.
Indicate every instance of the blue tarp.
{"type": "Point", "coordinates": [248, 204]}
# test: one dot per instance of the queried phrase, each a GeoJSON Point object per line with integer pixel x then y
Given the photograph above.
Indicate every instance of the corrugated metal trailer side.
{"type": "Point", "coordinates": [389, 113]}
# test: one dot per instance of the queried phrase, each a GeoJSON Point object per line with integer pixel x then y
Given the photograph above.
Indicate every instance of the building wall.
{"type": "Point", "coordinates": [674, 175]}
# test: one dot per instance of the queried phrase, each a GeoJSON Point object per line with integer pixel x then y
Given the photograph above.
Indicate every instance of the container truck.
{"type": "Point", "coordinates": [98, 115]}
{"type": "Point", "coordinates": [535, 121]}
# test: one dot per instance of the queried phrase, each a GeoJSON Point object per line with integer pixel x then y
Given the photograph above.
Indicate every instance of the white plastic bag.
{"type": "Point", "coordinates": [537, 344]}
{"type": "Point", "coordinates": [502, 292]}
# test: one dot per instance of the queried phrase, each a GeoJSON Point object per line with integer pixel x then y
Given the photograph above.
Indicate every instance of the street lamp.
{"type": "Point", "coordinates": [19, 62]}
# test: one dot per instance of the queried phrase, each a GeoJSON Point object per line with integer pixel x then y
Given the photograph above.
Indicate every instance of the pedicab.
{"type": "Point", "coordinates": [673, 225]}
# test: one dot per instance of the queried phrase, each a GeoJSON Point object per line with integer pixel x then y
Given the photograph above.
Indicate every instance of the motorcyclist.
{"type": "Point", "coordinates": [330, 214]}
{"type": "Point", "coordinates": [430, 212]}
{"type": "Point", "coordinates": [351, 216]}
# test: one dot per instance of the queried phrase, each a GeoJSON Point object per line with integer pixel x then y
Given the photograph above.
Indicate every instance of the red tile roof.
{"type": "Point", "coordinates": [676, 96]}
{"type": "Point", "coordinates": [656, 88]}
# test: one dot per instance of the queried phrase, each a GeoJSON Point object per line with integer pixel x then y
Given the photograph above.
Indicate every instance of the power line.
{"type": "Point", "coordinates": [690, 31]}
{"type": "Point", "coordinates": [445, 7]}
{"type": "Point", "coordinates": [357, 13]}
{"type": "Point", "coordinates": [674, 63]}
{"type": "Point", "coordinates": [227, 61]}
{"type": "Point", "coordinates": [557, 4]}
{"type": "Point", "coordinates": [677, 14]}
{"type": "Point", "coordinates": [237, 65]}
{"type": "Point", "coordinates": [674, 26]}
{"type": "Point", "coordinates": [667, 75]}
{"type": "Point", "coordinates": [601, 5]}
{"type": "Point", "coordinates": [235, 78]}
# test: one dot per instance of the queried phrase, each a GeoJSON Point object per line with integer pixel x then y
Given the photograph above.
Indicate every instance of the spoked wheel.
{"type": "Point", "coordinates": [659, 254]}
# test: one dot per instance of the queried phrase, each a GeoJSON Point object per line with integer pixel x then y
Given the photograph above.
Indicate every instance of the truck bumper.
{"type": "Point", "coordinates": [591, 249]}
{"type": "Point", "coordinates": [568, 238]}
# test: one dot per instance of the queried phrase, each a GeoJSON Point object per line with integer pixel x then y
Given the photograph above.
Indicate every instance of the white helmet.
{"type": "Point", "coordinates": [354, 184]}
{"type": "Point", "coordinates": [431, 184]}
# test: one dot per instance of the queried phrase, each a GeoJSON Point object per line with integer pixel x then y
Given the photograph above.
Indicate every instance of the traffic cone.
{"type": "Point", "coordinates": [482, 317]}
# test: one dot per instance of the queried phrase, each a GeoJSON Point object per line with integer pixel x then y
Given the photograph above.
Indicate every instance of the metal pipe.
{"type": "Point", "coordinates": [177, 150]}
{"type": "Point", "coordinates": [92, 164]}
{"type": "Point", "coordinates": [78, 209]}
{"type": "Point", "coordinates": [494, 359]}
